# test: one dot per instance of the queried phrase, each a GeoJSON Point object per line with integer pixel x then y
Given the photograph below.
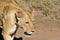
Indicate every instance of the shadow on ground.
{"type": "Point", "coordinates": [1, 37]}
{"type": "Point", "coordinates": [18, 38]}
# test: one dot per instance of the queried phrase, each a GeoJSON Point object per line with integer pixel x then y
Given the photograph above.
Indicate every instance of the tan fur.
{"type": "Point", "coordinates": [8, 9]}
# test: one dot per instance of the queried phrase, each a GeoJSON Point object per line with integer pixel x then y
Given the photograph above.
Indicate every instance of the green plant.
{"type": "Point", "coordinates": [46, 12]}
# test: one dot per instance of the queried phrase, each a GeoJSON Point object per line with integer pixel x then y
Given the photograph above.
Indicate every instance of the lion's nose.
{"type": "Point", "coordinates": [32, 31]}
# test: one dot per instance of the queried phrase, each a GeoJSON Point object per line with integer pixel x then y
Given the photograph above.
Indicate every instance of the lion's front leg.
{"type": "Point", "coordinates": [9, 27]}
{"type": "Point", "coordinates": [7, 37]}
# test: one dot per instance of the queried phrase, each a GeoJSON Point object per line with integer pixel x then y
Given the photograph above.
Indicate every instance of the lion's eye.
{"type": "Point", "coordinates": [27, 22]}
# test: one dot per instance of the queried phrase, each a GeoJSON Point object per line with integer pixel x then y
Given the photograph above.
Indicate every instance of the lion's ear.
{"type": "Point", "coordinates": [19, 14]}
{"type": "Point", "coordinates": [32, 12]}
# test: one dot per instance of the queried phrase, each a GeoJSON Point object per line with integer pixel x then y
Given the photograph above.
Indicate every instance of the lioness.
{"type": "Point", "coordinates": [10, 12]}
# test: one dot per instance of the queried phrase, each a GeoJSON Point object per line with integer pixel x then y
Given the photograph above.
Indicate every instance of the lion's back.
{"type": "Point", "coordinates": [2, 4]}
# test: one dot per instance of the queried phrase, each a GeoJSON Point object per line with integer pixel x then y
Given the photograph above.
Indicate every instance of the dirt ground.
{"type": "Point", "coordinates": [46, 29]}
